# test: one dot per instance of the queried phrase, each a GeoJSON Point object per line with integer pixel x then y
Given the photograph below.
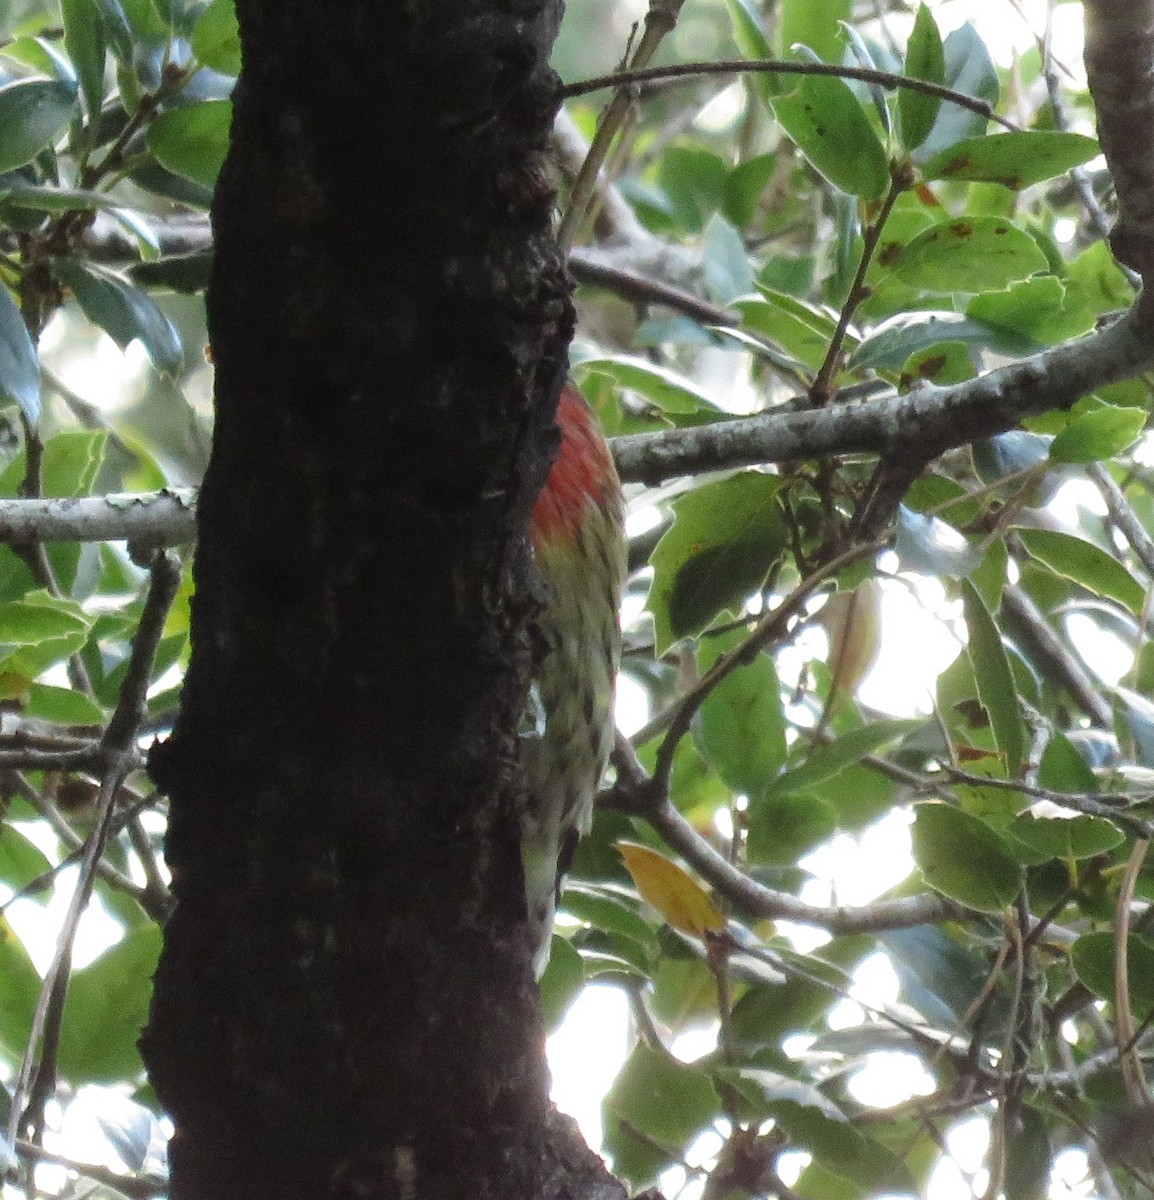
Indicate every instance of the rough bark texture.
{"type": "Point", "coordinates": [345, 1006]}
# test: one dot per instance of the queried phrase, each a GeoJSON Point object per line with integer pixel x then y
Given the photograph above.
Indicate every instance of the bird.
{"type": "Point", "coordinates": [577, 533]}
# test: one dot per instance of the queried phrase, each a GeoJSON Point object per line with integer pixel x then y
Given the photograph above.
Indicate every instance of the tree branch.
{"type": "Point", "coordinates": [928, 420]}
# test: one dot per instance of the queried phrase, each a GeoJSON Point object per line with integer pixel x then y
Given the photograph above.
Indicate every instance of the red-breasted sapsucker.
{"type": "Point", "coordinates": [577, 531]}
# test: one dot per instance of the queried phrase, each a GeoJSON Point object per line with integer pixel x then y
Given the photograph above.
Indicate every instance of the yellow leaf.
{"type": "Point", "coordinates": [676, 895]}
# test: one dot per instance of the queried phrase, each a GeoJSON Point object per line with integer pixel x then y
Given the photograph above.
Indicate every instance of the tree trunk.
{"type": "Point", "coordinates": [345, 1005]}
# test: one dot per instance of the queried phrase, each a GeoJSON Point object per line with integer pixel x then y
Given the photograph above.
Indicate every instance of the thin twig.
{"type": "Point", "coordinates": [37, 1077]}
{"type": "Point", "coordinates": [741, 66]}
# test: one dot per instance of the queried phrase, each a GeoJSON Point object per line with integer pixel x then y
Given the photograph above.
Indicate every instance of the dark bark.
{"type": "Point", "coordinates": [345, 1005]}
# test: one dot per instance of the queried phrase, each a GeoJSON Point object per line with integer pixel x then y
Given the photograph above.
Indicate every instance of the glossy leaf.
{"type": "Point", "coordinates": [802, 330]}
{"type": "Point", "coordinates": [964, 859]}
{"type": "Point", "coordinates": [969, 254]}
{"type": "Point", "coordinates": [19, 366]}
{"type": "Point", "coordinates": [995, 681]}
{"type": "Point", "coordinates": [124, 312]}
{"type": "Point", "coordinates": [19, 989]}
{"type": "Point", "coordinates": [828, 759]}
{"type": "Point", "coordinates": [192, 141]}
{"type": "Point", "coordinates": [216, 39]}
{"type": "Point", "coordinates": [1098, 434]}
{"type": "Point", "coordinates": [1042, 310]}
{"type": "Point", "coordinates": [728, 273]}
{"type": "Point", "coordinates": [1086, 564]}
{"type": "Point", "coordinates": [1015, 160]}
{"type": "Point", "coordinates": [672, 891]}
{"type": "Point", "coordinates": [969, 69]}
{"type": "Point", "coordinates": [783, 827]}
{"type": "Point", "coordinates": [117, 29]}
{"type": "Point", "coordinates": [826, 122]}
{"type": "Point", "coordinates": [925, 59]}
{"type": "Point", "coordinates": [62, 706]}
{"type": "Point", "coordinates": [1067, 838]}
{"type": "Point", "coordinates": [1009, 453]}
{"type": "Point", "coordinates": [1063, 769]}
{"type": "Point", "coordinates": [106, 1009]}
{"type": "Point", "coordinates": [813, 23]}
{"type": "Point", "coordinates": [661, 1099]}
{"type": "Point", "coordinates": [33, 114]}
{"type": "Point", "coordinates": [1093, 959]}
{"type": "Point", "coordinates": [742, 727]}
{"type": "Point", "coordinates": [658, 385]}
{"type": "Point", "coordinates": [84, 41]}
{"type": "Point", "coordinates": [1138, 713]}
{"type": "Point", "coordinates": [21, 861]}
{"type": "Point", "coordinates": [844, 1150]}
{"type": "Point", "coordinates": [726, 536]}
{"type": "Point", "coordinates": [751, 41]}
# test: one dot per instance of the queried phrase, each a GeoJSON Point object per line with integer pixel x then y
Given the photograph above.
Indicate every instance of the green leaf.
{"type": "Point", "coordinates": [661, 1099]}
{"type": "Point", "coordinates": [1138, 713]}
{"type": "Point", "coordinates": [1041, 310]}
{"type": "Point", "coordinates": [1099, 434]}
{"type": "Point", "coordinates": [940, 976]}
{"type": "Point", "coordinates": [831, 758]}
{"type": "Point", "coordinates": [969, 69]}
{"type": "Point", "coordinates": [124, 312]}
{"type": "Point", "coordinates": [694, 181]}
{"type": "Point", "coordinates": [33, 114]}
{"type": "Point", "coordinates": [19, 366]}
{"type": "Point", "coordinates": [813, 23]}
{"type": "Point", "coordinates": [106, 1009]}
{"type": "Point", "coordinates": [784, 827]}
{"type": "Point", "coordinates": [62, 706]}
{"type": "Point", "coordinates": [21, 861]}
{"type": "Point", "coordinates": [843, 1150]}
{"type": "Point", "coordinates": [1015, 160]}
{"type": "Point", "coordinates": [741, 730]}
{"type": "Point", "coordinates": [744, 186]}
{"type": "Point", "coordinates": [995, 681]}
{"type": "Point", "coordinates": [726, 537]}
{"type": "Point", "coordinates": [84, 41]}
{"type": "Point", "coordinates": [728, 273]}
{"type": "Point", "coordinates": [751, 41]}
{"type": "Point", "coordinates": [24, 624]}
{"type": "Point", "coordinates": [187, 273]}
{"type": "Point", "coordinates": [1029, 1156]}
{"type": "Point", "coordinates": [117, 30]}
{"type": "Point", "coordinates": [943, 364]}
{"type": "Point", "coordinates": [19, 990]}
{"type": "Point", "coordinates": [964, 859]}
{"type": "Point", "coordinates": [72, 460]}
{"type": "Point", "coordinates": [772, 1087]}
{"type": "Point", "coordinates": [925, 59]}
{"type": "Point", "coordinates": [1086, 564]}
{"type": "Point", "coordinates": [663, 388]}
{"type": "Point", "coordinates": [1067, 838]}
{"type": "Point", "coordinates": [1063, 769]}
{"type": "Point", "coordinates": [192, 141]}
{"type": "Point", "coordinates": [216, 38]}
{"type": "Point", "coordinates": [828, 125]}
{"type": "Point", "coordinates": [803, 330]}
{"type": "Point", "coordinates": [1009, 454]}
{"type": "Point", "coordinates": [562, 982]}
{"type": "Point", "coordinates": [1092, 957]}
{"type": "Point", "coordinates": [930, 546]}
{"type": "Point", "coordinates": [605, 908]}
{"type": "Point", "coordinates": [969, 254]}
